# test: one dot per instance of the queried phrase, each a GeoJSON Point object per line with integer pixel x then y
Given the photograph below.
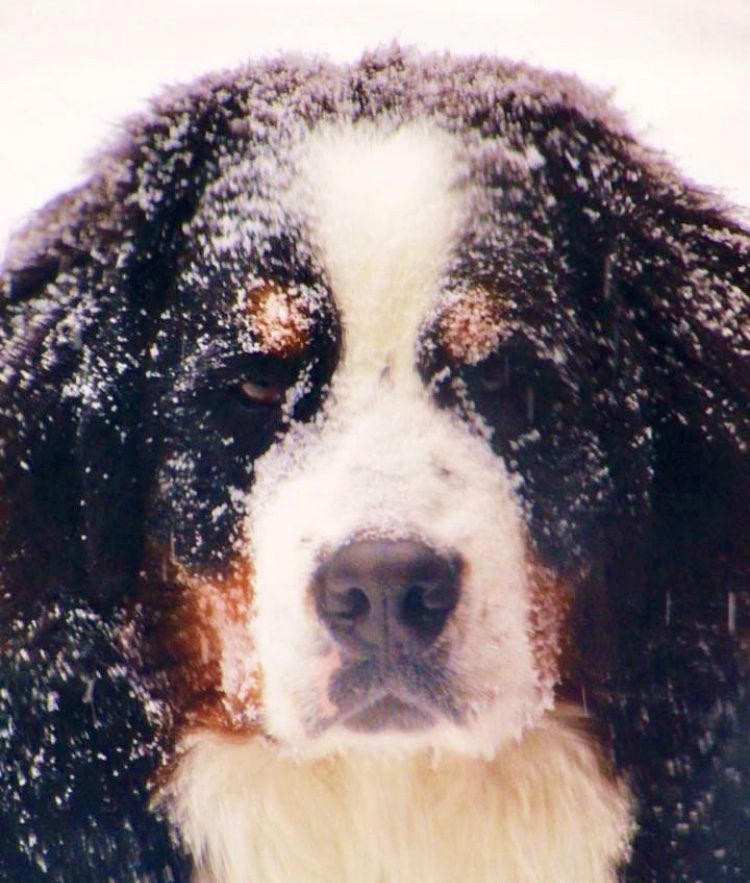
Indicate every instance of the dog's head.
{"type": "Point", "coordinates": [390, 402]}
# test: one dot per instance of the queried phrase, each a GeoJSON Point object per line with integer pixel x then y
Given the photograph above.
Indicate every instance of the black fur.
{"type": "Point", "coordinates": [637, 486]}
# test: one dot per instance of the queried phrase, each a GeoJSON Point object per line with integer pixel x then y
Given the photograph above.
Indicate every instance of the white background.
{"type": "Point", "coordinates": [71, 69]}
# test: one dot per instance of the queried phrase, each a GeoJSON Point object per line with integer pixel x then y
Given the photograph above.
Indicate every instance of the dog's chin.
{"type": "Point", "coordinates": [389, 713]}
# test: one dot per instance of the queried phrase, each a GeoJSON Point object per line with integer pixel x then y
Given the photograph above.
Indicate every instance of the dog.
{"type": "Point", "coordinates": [375, 493]}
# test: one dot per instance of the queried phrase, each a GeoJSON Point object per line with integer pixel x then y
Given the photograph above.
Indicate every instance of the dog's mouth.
{"type": "Point", "coordinates": [372, 698]}
{"type": "Point", "coordinates": [389, 712]}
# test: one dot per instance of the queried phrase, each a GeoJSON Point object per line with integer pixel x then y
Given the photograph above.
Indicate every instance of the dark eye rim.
{"type": "Point", "coordinates": [514, 375]}
{"type": "Point", "coordinates": [255, 381]}
{"type": "Point", "coordinates": [261, 392]}
{"type": "Point", "coordinates": [493, 374]}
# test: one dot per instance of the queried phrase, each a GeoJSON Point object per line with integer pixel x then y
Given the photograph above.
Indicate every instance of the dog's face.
{"type": "Point", "coordinates": [386, 536]}
{"type": "Point", "coordinates": [395, 408]}
{"type": "Point", "coordinates": [376, 483]}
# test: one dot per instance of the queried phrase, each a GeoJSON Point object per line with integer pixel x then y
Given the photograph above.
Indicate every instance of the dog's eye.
{"type": "Point", "coordinates": [258, 383]}
{"type": "Point", "coordinates": [515, 389]}
{"type": "Point", "coordinates": [493, 374]}
{"type": "Point", "coordinates": [261, 392]}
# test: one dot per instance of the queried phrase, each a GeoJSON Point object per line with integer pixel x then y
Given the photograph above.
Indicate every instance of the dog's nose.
{"type": "Point", "coordinates": [387, 597]}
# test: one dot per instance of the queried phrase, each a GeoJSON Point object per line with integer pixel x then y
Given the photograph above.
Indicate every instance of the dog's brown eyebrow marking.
{"type": "Point", "coordinates": [470, 325]}
{"type": "Point", "coordinates": [279, 315]}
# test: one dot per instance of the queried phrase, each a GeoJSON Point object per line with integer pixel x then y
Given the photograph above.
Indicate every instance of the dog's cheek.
{"type": "Point", "coordinates": [196, 639]}
{"type": "Point", "coordinates": [549, 605]}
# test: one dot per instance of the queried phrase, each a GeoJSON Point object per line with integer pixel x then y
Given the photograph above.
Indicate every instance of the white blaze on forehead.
{"type": "Point", "coordinates": [383, 209]}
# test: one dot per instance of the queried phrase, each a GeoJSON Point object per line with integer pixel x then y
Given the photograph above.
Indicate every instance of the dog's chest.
{"type": "Point", "coordinates": [542, 810]}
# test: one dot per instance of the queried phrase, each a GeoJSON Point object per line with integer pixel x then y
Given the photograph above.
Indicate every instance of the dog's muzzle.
{"type": "Point", "coordinates": [386, 603]}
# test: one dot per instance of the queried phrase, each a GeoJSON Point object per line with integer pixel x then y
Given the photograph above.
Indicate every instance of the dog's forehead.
{"type": "Point", "coordinates": [366, 216]}
{"type": "Point", "coordinates": [386, 223]}
{"type": "Point", "coordinates": [382, 210]}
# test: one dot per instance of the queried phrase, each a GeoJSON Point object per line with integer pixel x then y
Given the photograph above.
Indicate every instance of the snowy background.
{"type": "Point", "coordinates": [70, 71]}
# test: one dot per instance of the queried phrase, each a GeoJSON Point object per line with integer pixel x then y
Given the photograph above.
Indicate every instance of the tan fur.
{"type": "Point", "coordinates": [278, 316]}
{"type": "Point", "coordinates": [471, 325]}
{"type": "Point", "coordinates": [539, 811]}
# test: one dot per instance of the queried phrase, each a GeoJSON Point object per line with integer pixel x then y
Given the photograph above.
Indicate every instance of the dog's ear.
{"type": "Point", "coordinates": [82, 288]}
{"type": "Point", "coordinates": [82, 293]}
{"type": "Point", "coordinates": [679, 270]}
{"type": "Point", "coordinates": [660, 274]}
{"type": "Point", "coordinates": [663, 281]}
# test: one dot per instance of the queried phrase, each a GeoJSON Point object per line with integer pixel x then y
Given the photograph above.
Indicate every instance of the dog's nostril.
{"type": "Point", "coordinates": [425, 608]}
{"type": "Point", "coordinates": [430, 600]}
{"type": "Point", "coordinates": [346, 605]}
{"type": "Point", "coordinates": [384, 596]}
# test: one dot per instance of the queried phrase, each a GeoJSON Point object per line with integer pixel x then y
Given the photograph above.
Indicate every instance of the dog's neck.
{"type": "Point", "coordinates": [542, 809]}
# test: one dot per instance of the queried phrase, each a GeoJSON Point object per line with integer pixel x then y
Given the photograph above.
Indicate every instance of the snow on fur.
{"type": "Point", "coordinates": [124, 305]}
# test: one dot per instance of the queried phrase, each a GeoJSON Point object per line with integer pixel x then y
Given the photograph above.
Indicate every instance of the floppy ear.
{"type": "Point", "coordinates": [679, 270]}
{"type": "Point", "coordinates": [664, 277]}
{"type": "Point", "coordinates": [685, 269]}
{"type": "Point", "coordinates": [82, 290]}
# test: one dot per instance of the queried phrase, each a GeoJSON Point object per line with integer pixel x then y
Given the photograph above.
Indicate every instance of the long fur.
{"type": "Point", "coordinates": [300, 306]}
{"type": "Point", "coordinates": [540, 810]}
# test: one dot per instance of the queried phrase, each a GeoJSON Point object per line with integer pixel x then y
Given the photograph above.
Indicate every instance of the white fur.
{"type": "Point", "coordinates": [384, 210]}
{"type": "Point", "coordinates": [540, 811]}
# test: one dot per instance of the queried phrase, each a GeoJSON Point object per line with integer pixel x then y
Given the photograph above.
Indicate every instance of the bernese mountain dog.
{"type": "Point", "coordinates": [375, 494]}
